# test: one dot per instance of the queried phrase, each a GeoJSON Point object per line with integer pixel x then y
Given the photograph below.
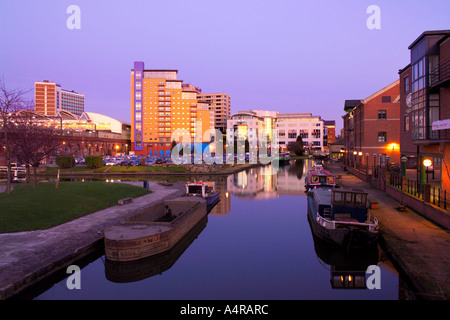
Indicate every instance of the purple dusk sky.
{"type": "Point", "coordinates": [289, 56]}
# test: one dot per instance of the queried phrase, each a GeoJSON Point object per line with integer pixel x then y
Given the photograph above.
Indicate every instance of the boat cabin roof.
{"type": "Point", "coordinates": [341, 197]}
{"type": "Point", "coordinates": [319, 172]}
{"type": "Point", "coordinates": [349, 197]}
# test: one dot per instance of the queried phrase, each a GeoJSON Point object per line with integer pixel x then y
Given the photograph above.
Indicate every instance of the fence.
{"type": "Point", "coordinates": [426, 192]}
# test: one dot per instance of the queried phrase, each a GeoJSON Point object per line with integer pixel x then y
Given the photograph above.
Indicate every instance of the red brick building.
{"type": "Point", "coordinates": [425, 105]}
{"type": "Point", "coordinates": [371, 128]}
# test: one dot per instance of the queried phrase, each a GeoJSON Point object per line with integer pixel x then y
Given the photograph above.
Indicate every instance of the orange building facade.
{"type": "Point", "coordinates": [164, 110]}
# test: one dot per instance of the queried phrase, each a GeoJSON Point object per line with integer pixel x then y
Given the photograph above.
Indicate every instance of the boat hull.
{"type": "Point", "coordinates": [347, 237]}
{"type": "Point", "coordinates": [139, 239]}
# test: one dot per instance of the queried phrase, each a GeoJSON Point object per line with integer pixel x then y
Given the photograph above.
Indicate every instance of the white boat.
{"type": "Point", "coordinates": [201, 189]}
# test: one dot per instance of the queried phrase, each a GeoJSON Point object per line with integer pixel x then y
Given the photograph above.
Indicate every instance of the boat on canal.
{"type": "Point", "coordinates": [318, 177]}
{"type": "Point", "coordinates": [284, 159]}
{"type": "Point", "coordinates": [201, 189]}
{"type": "Point", "coordinates": [342, 217]}
{"type": "Point", "coordinates": [155, 230]}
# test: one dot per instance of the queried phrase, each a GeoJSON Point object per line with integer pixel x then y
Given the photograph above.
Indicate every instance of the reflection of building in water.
{"type": "Point", "coordinates": [265, 183]}
{"type": "Point", "coordinates": [223, 207]}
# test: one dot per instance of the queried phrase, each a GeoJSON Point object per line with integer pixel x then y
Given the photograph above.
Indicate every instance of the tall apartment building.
{"type": "Point", "coordinates": [255, 123]}
{"type": "Point", "coordinates": [371, 126]}
{"type": "Point", "coordinates": [220, 104]}
{"type": "Point", "coordinates": [425, 105]}
{"type": "Point", "coordinates": [163, 110]}
{"type": "Point", "coordinates": [50, 99]}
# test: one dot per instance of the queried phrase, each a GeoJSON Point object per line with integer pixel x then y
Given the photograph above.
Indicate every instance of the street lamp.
{"type": "Point", "coordinates": [427, 163]}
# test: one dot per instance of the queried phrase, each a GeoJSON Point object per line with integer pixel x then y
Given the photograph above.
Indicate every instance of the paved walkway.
{"type": "Point", "coordinates": [419, 247]}
{"type": "Point", "coordinates": [27, 257]}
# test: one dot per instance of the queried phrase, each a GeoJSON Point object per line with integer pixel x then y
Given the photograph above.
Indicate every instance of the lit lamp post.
{"type": "Point", "coordinates": [117, 148]}
{"type": "Point", "coordinates": [427, 163]}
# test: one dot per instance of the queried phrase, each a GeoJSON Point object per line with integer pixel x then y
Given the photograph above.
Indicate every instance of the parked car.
{"type": "Point", "coordinates": [111, 162]}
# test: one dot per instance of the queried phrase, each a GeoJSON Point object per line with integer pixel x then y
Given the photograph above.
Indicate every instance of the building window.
{"type": "Point", "coordinates": [386, 99]}
{"type": "Point", "coordinates": [292, 135]}
{"type": "Point", "coordinates": [382, 114]}
{"type": "Point", "coordinates": [138, 95]}
{"type": "Point", "coordinates": [406, 88]}
{"type": "Point", "coordinates": [138, 116]}
{"type": "Point", "coordinates": [382, 136]}
{"type": "Point", "coordinates": [138, 85]}
{"type": "Point", "coordinates": [407, 123]}
{"type": "Point", "coordinates": [138, 74]}
{"type": "Point", "coordinates": [138, 126]}
{"type": "Point", "coordinates": [138, 139]}
{"type": "Point", "coordinates": [138, 106]}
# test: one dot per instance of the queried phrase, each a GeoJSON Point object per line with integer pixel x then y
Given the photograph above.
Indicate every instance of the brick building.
{"type": "Point", "coordinates": [371, 128]}
{"type": "Point", "coordinates": [425, 105]}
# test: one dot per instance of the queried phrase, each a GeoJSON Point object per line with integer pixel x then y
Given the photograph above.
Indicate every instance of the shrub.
{"type": "Point", "coordinates": [65, 162]}
{"type": "Point", "coordinates": [94, 162]}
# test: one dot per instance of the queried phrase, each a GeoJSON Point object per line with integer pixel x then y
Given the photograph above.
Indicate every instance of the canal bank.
{"type": "Point", "coordinates": [419, 247]}
{"type": "Point", "coordinates": [29, 257]}
{"type": "Point", "coordinates": [163, 170]}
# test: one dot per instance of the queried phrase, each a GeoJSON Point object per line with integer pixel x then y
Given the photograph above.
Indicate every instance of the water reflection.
{"type": "Point", "coordinates": [122, 272]}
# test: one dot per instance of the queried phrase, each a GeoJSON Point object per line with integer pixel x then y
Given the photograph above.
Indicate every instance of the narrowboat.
{"type": "Point", "coordinates": [341, 217]}
{"type": "Point", "coordinates": [155, 230]}
{"type": "Point", "coordinates": [318, 177]}
{"type": "Point", "coordinates": [201, 189]}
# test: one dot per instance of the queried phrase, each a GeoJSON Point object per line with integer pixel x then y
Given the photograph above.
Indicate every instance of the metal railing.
{"type": "Point", "coordinates": [432, 194]}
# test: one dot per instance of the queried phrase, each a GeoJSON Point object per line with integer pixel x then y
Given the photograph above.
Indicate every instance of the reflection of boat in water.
{"type": "Point", "coordinates": [318, 177]}
{"type": "Point", "coordinates": [201, 189]}
{"type": "Point", "coordinates": [347, 269]}
{"type": "Point", "coordinates": [341, 217]}
{"type": "Point", "coordinates": [155, 230]}
{"type": "Point", "coordinates": [122, 272]}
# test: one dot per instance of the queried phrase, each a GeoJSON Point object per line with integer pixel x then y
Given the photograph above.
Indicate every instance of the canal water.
{"type": "Point", "coordinates": [256, 243]}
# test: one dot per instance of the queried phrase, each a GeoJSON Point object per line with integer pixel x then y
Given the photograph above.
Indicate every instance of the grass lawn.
{"type": "Point", "coordinates": [35, 208]}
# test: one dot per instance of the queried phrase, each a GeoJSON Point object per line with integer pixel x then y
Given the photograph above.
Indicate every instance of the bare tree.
{"type": "Point", "coordinates": [11, 101]}
{"type": "Point", "coordinates": [33, 140]}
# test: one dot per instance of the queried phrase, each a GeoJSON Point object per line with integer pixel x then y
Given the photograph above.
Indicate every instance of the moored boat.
{"type": "Point", "coordinates": [155, 230]}
{"type": "Point", "coordinates": [318, 177]}
{"type": "Point", "coordinates": [201, 189]}
{"type": "Point", "coordinates": [284, 158]}
{"type": "Point", "coordinates": [342, 217]}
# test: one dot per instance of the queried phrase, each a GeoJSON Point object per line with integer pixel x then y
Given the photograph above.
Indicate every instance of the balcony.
{"type": "Point", "coordinates": [440, 73]}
